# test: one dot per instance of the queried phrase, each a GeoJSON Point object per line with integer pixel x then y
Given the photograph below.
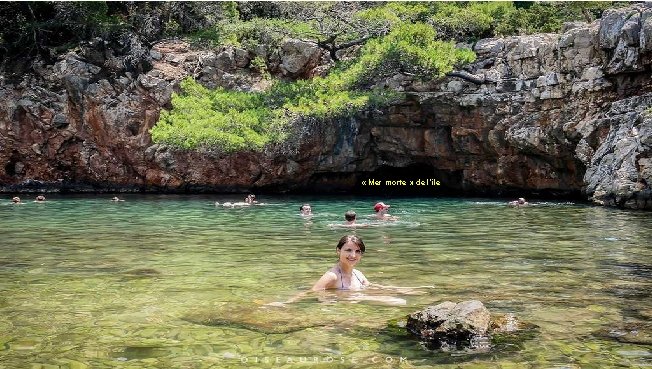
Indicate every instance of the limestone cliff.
{"type": "Point", "coordinates": [547, 114]}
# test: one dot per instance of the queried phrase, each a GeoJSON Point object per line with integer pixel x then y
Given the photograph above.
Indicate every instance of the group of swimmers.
{"type": "Point", "coordinates": [381, 213]}
{"type": "Point", "coordinates": [349, 249]}
{"type": "Point", "coordinates": [381, 209]}
{"type": "Point", "coordinates": [17, 200]}
{"type": "Point", "coordinates": [41, 198]}
{"type": "Point", "coordinates": [350, 216]}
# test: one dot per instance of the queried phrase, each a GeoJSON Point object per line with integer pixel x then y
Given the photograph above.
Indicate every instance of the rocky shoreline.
{"type": "Point", "coordinates": [566, 115]}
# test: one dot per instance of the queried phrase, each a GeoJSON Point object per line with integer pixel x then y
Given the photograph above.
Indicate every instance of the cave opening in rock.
{"type": "Point", "coordinates": [418, 179]}
{"type": "Point", "coordinates": [10, 167]}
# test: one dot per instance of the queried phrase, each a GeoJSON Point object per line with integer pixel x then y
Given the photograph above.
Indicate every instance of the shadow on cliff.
{"type": "Point", "coordinates": [426, 180]}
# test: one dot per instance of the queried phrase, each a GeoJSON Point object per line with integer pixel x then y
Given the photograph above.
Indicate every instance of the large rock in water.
{"type": "Point", "coordinates": [450, 324]}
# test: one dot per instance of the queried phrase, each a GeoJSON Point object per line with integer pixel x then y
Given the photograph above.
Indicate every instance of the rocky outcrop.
{"type": "Point", "coordinates": [556, 114]}
{"type": "Point", "coordinates": [467, 325]}
{"type": "Point", "coordinates": [619, 172]}
{"type": "Point", "coordinates": [299, 58]}
{"type": "Point", "coordinates": [542, 113]}
{"type": "Point", "coordinates": [450, 324]}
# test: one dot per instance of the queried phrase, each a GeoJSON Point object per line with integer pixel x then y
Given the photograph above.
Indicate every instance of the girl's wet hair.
{"type": "Point", "coordinates": [351, 238]}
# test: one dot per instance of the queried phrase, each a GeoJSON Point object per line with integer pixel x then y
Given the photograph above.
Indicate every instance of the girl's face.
{"type": "Point", "coordinates": [350, 254]}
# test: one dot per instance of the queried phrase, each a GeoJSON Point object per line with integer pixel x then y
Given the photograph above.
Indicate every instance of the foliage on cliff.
{"type": "Point", "coordinates": [44, 28]}
{"type": "Point", "coordinates": [368, 41]}
{"type": "Point", "coordinates": [405, 37]}
{"type": "Point", "coordinates": [232, 121]}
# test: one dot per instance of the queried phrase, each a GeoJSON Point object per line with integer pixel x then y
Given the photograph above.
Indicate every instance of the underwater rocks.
{"type": "Point", "coordinates": [465, 325]}
{"type": "Point", "coordinates": [638, 333]}
{"type": "Point", "coordinates": [256, 319]}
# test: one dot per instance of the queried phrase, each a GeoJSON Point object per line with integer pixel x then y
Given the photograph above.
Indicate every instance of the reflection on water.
{"type": "Point", "coordinates": [174, 281]}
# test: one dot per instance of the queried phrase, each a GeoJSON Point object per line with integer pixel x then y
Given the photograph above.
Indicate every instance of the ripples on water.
{"type": "Point", "coordinates": [174, 281]}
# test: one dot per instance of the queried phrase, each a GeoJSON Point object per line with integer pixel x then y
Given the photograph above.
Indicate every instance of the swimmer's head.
{"type": "Point", "coordinates": [350, 215]}
{"type": "Point", "coordinates": [15, 199]}
{"type": "Point", "coordinates": [380, 206]}
{"type": "Point", "coordinates": [353, 239]}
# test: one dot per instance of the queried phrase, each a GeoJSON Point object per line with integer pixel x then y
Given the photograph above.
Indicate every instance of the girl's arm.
{"type": "Point", "coordinates": [363, 279]}
{"type": "Point", "coordinates": [404, 290]}
{"type": "Point", "coordinates": [325, 281]}
{"type": "Point", "coordinates": [322, 284]}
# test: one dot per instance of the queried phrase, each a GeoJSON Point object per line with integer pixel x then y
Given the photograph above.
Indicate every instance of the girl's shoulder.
{"type": "Point", "coordinates": [332, 272]}
{"type": "Point", "coordinates": [359, 274]}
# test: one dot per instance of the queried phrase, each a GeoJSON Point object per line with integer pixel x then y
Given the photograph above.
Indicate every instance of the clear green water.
{"type": "Point", "coordinates": [174, 282]}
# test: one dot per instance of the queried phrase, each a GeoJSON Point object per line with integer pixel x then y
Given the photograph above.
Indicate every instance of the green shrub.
{"type": "Point", "coordinates": [407, 38]}
{"type": "Point", "coordinates": [259, 65]}
{"type": "Point", "coordinates": [232, 121]}
{"type": "Point", "coordinates": [461, 22]}
{"type": "Point", "coordinates": [249, 34]}
{"type": "Point", "coordinates": [549, 16]}
{"type": "Point", "coordinates": [411, 49]}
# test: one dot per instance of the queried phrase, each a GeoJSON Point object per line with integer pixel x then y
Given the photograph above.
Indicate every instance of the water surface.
{"type": "Point", "coordinates": [176, 282]}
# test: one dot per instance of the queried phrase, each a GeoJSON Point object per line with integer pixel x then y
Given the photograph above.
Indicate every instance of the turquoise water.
{"type": "Point", "coordinates": [176, 282]}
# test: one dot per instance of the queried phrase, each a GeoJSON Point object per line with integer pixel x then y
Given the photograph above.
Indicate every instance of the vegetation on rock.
{"type": "Point", "coordinates": [234, 120]}
{"type": "Point", "coordinates": [368, 42]}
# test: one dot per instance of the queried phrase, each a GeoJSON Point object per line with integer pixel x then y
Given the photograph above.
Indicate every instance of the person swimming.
{"type": "Point", "coordinates": [381, 210]}
{"type": "Point", "coordinates": [250, 199]}
{"type": "Point", "coordinates": [520, 202]}
{"type": "Point", "coordinates": [229, 204]}
{"type": "Point", "coordinates": [305, 210]}
{"type": "Point", "coordinates": [343, 275]}
{"type": "Point", "coordinates": [350, 218]}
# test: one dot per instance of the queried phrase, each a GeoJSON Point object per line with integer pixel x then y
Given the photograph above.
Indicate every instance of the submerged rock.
{"type": "Point", "coordinates": [450, 324]}
{"type": "Point", "coordinates": [507, 323]}
{"type": "Point", "coordinates": [255, 319]}
{"type": "Point", "coordinates": [142, 273]}
{"type": "Point", "coordinates": [467, 325]}
{"type": "Point", "coordinates": [639, 333]}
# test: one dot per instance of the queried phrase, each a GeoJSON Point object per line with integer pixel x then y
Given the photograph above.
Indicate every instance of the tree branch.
{"type": "Point", "coordinates": [359, 41]}
{"type": "Point", "coordinates": [467, 77]}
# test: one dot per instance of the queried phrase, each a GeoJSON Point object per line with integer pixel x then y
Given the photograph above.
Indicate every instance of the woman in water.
{"type": "Point", "coordinates": [343, 275]}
